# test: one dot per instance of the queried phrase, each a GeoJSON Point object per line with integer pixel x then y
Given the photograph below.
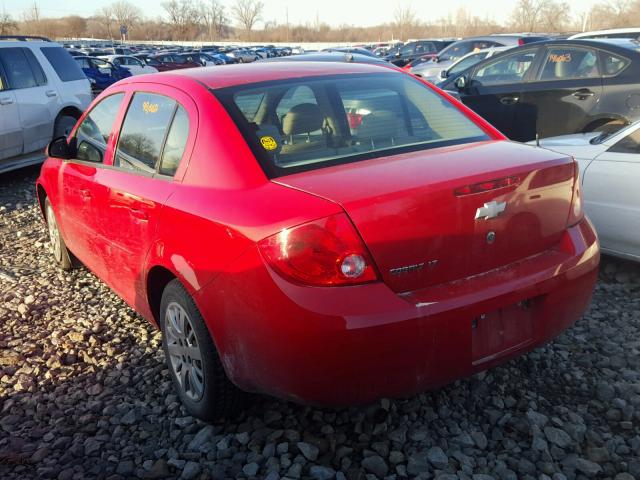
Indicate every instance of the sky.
{"type": "Point", "coordinates": [333, 12]}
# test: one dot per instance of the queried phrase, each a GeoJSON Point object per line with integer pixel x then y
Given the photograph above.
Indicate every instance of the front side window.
{"type": "Point", "coordinates": [570, 63]}
{"type": "Point", "coordinates": [67, 69]}
{"type": "Point", "coordinates": [467, 62]}
{"type": "Point", "coordinates": [93, 133]}
{"type": "Point", "coordinates": [309, 123]}
{"type": "Point", "coordinates": [629, 144]}
{"type": "Point", "coordinates": [505, 70]}
{"type": "Point", "coordinates": [143, 132]}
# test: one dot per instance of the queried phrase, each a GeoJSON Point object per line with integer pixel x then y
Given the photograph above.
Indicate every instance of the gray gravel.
{"type": "Point", "coordinates": [84, 394]}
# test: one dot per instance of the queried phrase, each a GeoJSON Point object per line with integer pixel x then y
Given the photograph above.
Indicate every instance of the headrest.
{"type": "Point", "coordinates": [379, 125]}
{"type": "Point", "coordinates": [302, 118]}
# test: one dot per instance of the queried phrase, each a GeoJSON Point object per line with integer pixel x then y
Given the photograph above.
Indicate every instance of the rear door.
{"type": "Point", "coordinates": [494, 90]}
{"type": "Point", "coordinates": [152, 140]}
{"type": "Point", "coordinates": [10, 129]}
{"type": "Point", "coordinates": [612, 197]}
{"type": "Point", "coordinates": [37, 100]}
{"type": "Point", "coordinates": [566, 89]}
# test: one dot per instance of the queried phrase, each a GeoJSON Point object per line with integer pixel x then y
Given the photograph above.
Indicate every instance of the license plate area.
{"type": "Point", "coordinates": [497, 333]}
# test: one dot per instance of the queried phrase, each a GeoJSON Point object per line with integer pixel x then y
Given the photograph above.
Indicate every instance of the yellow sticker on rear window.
{"type": "Point", "coordinates": [149, 107]}
{"type": "Point", "coordinates": [269, 143]}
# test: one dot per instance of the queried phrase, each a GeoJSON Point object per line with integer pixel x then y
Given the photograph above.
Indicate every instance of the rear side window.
{"type": "Point", "coordinates": [143, 134]}
{"type": "Point", "coordinates": [64, 65]}
{"type": "Point", "coordinates": [570, 63]}
{"type": "Point", "coordinates": [175, 144]}
{"type": "Point", "coordinates": [93, 133]}
{"type": "Point", "coordinates": [21, 68]}
{"type": "Point", "coordinates": [309, 123]}
{"type": "Point", "coordinates": [612, 64]}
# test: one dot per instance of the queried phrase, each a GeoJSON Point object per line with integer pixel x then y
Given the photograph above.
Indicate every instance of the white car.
{"type": "Point", "coordinates": [134, 65]}
{"type": "Point", "coordinates": [610, 175]}
{"type": "Point", "coordinates": [467, 61]}
{"type": "Point", "coordinates": [611, 33]}
{"type": "Point", "coordinates": [43, 92]}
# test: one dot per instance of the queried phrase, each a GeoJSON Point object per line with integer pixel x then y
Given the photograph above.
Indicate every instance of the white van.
{"type": "Point", "coordinates": [43, 92]}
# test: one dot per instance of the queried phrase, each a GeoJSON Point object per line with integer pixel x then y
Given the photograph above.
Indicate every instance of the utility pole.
{"type": "Point", "coordinates": [287, 17]}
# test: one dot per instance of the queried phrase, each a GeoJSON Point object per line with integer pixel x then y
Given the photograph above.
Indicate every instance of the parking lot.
{"type": "Point", "coordinates": [85, 393]}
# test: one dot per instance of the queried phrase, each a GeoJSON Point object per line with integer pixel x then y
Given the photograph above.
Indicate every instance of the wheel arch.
{"type": "Point", "coordinates": [158, 278]}
{"type": "Point", "coordinates": [595, 122]}
{"type": "Point", "coordinates": [71, 111]}
{"type": "Point", "coordinates": [42, 196]}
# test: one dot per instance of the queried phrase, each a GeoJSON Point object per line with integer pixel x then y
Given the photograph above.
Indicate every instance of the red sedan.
{"type": "Point", "coordinates": [170, 61]}
{"type": "Point", "coordinates": [327, 233]}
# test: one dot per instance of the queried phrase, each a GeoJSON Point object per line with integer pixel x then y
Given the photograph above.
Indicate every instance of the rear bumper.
{"type": "Point", "coordinates": [350, 345]}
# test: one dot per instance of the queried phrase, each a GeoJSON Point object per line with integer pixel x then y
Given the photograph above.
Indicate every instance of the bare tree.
{"type": "Point", "coordinates": [248, 13]}
{"type": "Point", "coordinates": [213, 17]}
{"type": "Point", "coordinates": [31, 13]}
{"type": "Point", "coordinates": [404, 19]}
{"type": "Point", "coordinates": [7, 25]}
{"type": "Point", "coordinates": [183, 18]}
{"type": "Point", "coordinates": [126, 13]}
{"type": "Point", "coordinates": [537, 15]}
{"type": "Point", "coordinates": [75, 26]}
{"type": "Point", "coordinates": [106, 17]}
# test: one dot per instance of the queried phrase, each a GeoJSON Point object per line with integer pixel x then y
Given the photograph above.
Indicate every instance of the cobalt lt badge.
{"type": "Point", "coordinates": [491, 237]}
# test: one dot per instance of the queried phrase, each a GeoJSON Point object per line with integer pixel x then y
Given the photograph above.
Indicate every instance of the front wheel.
{"type": "Point", "coordinates": [59, 250]}
{"type": "Point", "coordinates": [192, 358]}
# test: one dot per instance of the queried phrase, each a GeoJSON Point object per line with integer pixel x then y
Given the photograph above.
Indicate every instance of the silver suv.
{"type": "Point", "coordinates": [43, 92]}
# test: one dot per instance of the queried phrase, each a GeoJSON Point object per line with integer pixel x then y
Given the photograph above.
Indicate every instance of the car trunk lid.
{"type": "Point", "coordinates": [434, 216]}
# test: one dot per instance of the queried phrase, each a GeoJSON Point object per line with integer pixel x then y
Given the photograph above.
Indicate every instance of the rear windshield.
{"type": "Point", "coordinates": [309, 123]}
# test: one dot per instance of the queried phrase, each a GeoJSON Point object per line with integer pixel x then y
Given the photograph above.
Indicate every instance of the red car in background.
{"type": "Point", "coordinates": [170, 61]}
{"type": "Point", "coordinates": [328, 233]}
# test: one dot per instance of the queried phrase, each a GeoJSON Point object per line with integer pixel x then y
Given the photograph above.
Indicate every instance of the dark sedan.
{"type": "Point", "coordinates": [555, 87]}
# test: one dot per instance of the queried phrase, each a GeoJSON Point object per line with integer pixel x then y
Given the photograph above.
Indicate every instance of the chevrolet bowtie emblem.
{"type": "Point", "coordinates": [492, 209]}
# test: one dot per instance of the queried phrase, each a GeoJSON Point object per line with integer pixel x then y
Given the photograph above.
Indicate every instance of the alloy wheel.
{"type": "Point", "coordinates": [184, 352]}
{"type": "Point", "coordinates": [54, 234]}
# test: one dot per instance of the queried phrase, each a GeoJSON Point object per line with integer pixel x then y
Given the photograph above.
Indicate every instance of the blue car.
{"type": "Point", "coordinates": [101, 73]}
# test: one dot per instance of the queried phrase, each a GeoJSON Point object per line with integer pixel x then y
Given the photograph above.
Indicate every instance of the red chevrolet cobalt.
{"type": "Point", "coordinates": [326, 233]}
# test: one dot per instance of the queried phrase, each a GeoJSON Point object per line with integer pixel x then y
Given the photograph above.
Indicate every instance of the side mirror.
{"type": "Point", "coordinates": [60, 148]}
{"type": "Point", "coordinates": [460, 82]}
{"type": "Point", "coordinates": [444, 74]}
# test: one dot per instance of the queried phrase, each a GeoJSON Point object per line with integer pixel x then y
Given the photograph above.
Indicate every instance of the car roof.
{"type": "Point", "coordinates": [233, 75]}
{"type": "Point", "coordinates": [618, 44]}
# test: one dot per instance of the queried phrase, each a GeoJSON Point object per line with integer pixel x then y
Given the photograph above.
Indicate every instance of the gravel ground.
{"type": "Point", "coordinates": [84, 394]}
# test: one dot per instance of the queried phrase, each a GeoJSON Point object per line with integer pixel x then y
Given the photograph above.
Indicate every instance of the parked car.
{"type": "Point", "coordinates": [444, 59]}
{"type": "Point", "coordinates": [131, 63]}
{"type": "Point", "coordinates": [358, 50]}
{"type": "Point", "coordinates": [101, 73]}
{"type": "Point", "coordinates": [243, 55]}
{"type": "Point", "coordinates": [204, 59]}
{"type": "Point", "coordinates": [42, 94]}
{"type": "Point", "coordinates": [281, 254]}
{"type": "Point", "coordinates": [465, 62]}
{"type": "Point", "coordinates": [170, 61]}
{"type": "Point", "coordinates": [329, 57]}
{"type": "Point", "coordinates": [420, 48]}
{"type": "Point", "coordinates": [610, 175]}
{"type": "Point", "coordinates": [554, 88]}
{"type": "Point", "coordinates": [632, 33]}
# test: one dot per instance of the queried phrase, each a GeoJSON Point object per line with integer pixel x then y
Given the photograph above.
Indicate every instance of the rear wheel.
{"type": "Point", "coordinates": [63, 126]}
{"type": "Point", "coordinates": [192, 358]}
{"type": "Point", "coordinates": [608, 126]}
{"type": "Point", "coordinates": [59, 250]}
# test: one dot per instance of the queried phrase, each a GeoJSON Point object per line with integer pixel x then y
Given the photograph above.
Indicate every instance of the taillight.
{"type": "Point", "coordinates": [576, 213]}
{"type": "Point", "coordinates": [520, 42]}
{"type": "Point", "coordinates": [325, 252]}
{"type": "Point", "coordinates": [354, 119]}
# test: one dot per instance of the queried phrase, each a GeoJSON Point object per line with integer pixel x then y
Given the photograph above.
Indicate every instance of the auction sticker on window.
{"type": "Point", "coordinates": [269, 143]}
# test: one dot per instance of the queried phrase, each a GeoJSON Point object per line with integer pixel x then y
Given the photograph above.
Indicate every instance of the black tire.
{"type": "Point", "coordinates": [63, 126]}
{"type": "Point", "coordinates": [610, 126]}
{"type": "Point", "coordinates": [219, 398]}
{"type": "Point", "coordinates": [59, 251]}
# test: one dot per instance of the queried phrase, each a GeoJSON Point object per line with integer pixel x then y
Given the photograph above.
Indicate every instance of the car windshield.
{"type": "Point", "coordinates": [309, 123]}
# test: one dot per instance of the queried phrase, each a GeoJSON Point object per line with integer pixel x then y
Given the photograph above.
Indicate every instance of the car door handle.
{"type": "Point", "coordinates": [6, 101]}
{"type": "Point", "coordinates": [51, 93]}
{"type": "Point", "coordinates": [583, 94]}
{"type": "Point", "coordinates": [139, 214]}
{"type": "Point", "coordinates": [509, 100]}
